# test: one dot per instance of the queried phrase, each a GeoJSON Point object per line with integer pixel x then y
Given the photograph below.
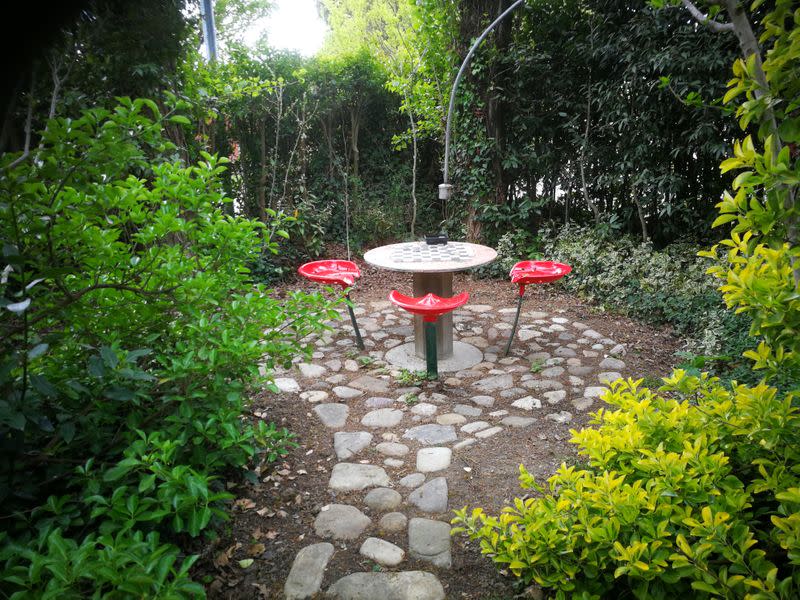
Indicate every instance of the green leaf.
{"type": "Point", "coordinates": [722, 219]}
{"type": "Point", "coordinates": [109, 357]}
{"type": "Point", "coordinates": [180, 119]}
{"type": "Point", "coordinates": [37, 350]}
{"type": "Point", "coordinates": [67, 431]}
{"type": "Point", "coordinates": [121, 469]}
{"type": "Point", "coordinates": [15, 420]}
{"type": "Point", "coordinates": [702, 586]}
{"type": "Point", "coordinates": [147, 483]}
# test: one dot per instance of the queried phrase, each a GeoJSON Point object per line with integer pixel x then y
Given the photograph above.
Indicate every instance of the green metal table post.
{"type": "Point", "coordinates": [430, 350]}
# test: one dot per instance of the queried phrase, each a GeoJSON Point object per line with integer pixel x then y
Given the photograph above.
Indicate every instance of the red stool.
{"type": "Point", "coordinates": [429, 307]}
{"type": "Point", "coordinates": [533, 271]}
{"type": "Point", "coordinates": [340, 272]}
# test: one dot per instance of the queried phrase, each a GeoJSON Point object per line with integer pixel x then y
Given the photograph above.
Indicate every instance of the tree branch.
{"type": "Point", "coordinates": [28, 126]}
{"type": "Point", "coordinates": [73, 297]}
{"type": "Point", "coordinates": [705, 20]}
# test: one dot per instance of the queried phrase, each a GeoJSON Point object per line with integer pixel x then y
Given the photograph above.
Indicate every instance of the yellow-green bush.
{"type": "Point", "coordinates": [694, 489]}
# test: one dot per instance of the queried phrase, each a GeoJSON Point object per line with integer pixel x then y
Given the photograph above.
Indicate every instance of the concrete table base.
{"type": "Point", "coordinates": [440, 284]}
{"type": "Point", "coordinates": [433, 267]}
{"type": "Point", "coordinates": [464, 356]}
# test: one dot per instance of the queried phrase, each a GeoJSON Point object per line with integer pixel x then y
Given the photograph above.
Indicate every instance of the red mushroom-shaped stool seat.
{"type": "Point", "coordinates": [533, 271]}
{"type": "Point", "coordinates": [430, 307]}
{"type": "Point", "coordinates": [339, 272]}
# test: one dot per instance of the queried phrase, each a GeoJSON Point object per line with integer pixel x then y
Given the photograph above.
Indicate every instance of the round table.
{"type": "Point", "coordinates": [433, 267]}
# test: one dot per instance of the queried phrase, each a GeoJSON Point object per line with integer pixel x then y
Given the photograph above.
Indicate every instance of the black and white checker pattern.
{"type": "Point", "coordinates": [425, 253]}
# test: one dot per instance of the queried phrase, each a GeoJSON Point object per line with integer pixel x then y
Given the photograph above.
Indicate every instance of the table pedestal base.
{"type": "Point", "coordinates": [465, 356]}
{"type": "Point", "coordinates": [440, 284]}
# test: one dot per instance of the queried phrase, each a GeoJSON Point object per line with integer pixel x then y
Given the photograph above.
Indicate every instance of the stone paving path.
{"type": "Point", "coordinates": [556, 368]}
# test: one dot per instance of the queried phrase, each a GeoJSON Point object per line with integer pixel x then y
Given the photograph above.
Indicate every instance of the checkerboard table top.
{"type": "Point", "coordinates": [419, 257]}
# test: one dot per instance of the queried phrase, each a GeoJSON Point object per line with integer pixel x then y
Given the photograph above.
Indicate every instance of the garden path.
{"type": "Point", "coordinates": [394, 444]}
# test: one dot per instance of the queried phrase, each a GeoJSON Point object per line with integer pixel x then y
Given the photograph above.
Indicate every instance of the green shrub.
{"type": "Point", "coordinates": [128, 334]}
{"type": "Point", "coordinates": [694, 491]}
{"type": "Point", "coordinates": [512, 247]}
{"type": "Point", "coordinates": [667, 286]}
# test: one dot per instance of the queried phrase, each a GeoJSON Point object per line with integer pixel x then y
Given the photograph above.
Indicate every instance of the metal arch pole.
{"type": "Point", "coordinates": [209, 28]}
{"type": "Point", "coordinates": [359, 341]}
{"type": "Point", "coordinates": [458, 79]}
{"type": "Point", "coordinates": [431, 361]}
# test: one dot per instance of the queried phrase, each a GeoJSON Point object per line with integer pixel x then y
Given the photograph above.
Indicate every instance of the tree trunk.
{"type": "Point", "coordinates": [355, 124]}
{"type": "Point", "coordinates": [642, 221]}
{"type": "Point", "coordinates": [274, 159]}
{"type": "Point", "coordinates": [582, 162]}
{"type": "Point", "coordinates": [413, 168]}
{"type": "Point", "coordinates": [327, 131]}
{"type": "Point", "coordinates": [749, 46]}
{"type": "Point", "coordinates": [474, 226]}
{"type": "Point", "coordinates": [262, 179]}
{"type": "Point", "coordinates": [473, 22]}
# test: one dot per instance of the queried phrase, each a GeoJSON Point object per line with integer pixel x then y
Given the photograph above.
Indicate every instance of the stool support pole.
{"type": "Point", "coordinates": [430, 350]}
{"type": "Point", "coordinates": [514, 327]}
{"type": "Point", "coordinates": [359, 341]}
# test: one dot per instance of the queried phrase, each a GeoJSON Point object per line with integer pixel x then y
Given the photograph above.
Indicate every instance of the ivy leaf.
{"type": "Point", "coordinates": [67, 431]}
{"type": "Point", "coordinates": [109, 356]}
{"type": "Point", "coordinates": [120, 394]}
{"type": "Point", "coordinates": [16, 421]}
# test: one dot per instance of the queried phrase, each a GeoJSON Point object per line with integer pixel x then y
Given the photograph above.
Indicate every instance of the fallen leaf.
{"type": "Point", "coordinates": [265, 512]}
{"type": "Point", "coordinates": [272, 534]}
{"type": "Point", "coordinates": [256, 549]}
{"type": "Point", "coordinates": [245, 503]}
{"type": "Point", "coordinates": [246, 562]}
{"type": "Point", "coordinates": [221, 560]}
{"type": "Point", "coordinates": [302, 472]}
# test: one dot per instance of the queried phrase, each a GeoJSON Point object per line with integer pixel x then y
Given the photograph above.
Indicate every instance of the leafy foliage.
{"type": "Point", "coordinates": [764, 249]}
{"type": "Point", "coordinates": [296, 130]}
{"type": "Point", "coordinates": [560, 121]}
{"type": "Point", "coordinates": [694, 491]}
{"type": "Point", "coordinates": [690, 491]}
{"type": "Point", "coordinates": [129, 333]}
{"type": "Point", "coordinates": [668, 286]}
